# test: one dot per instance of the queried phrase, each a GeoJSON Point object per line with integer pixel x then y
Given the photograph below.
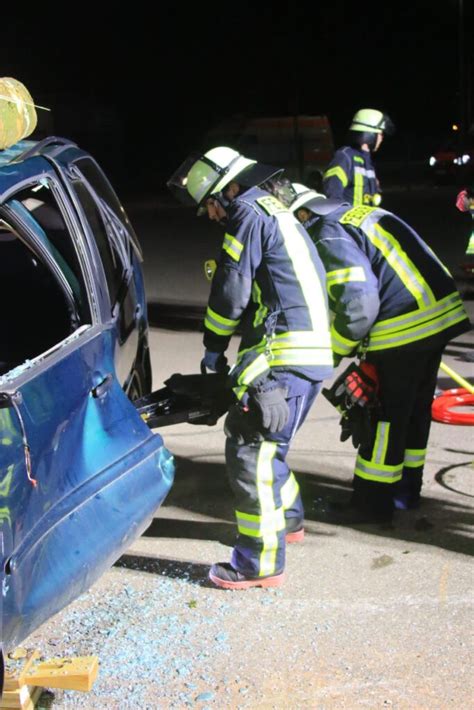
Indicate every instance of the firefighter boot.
{"type": "Point", "coordinates": [406, 492]}
{"type": "Point", "coordinates": [225, 576]}
{"type": "Point", "coordinates": [294, 530]}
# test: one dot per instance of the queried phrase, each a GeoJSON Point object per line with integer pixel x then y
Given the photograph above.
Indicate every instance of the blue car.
{"type": "Point", "coordinates": [81, 474]}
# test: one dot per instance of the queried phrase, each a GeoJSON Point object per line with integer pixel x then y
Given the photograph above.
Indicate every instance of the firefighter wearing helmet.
{"type": "Point", "coordinates": [269, 286]}
{"type": "Point", "coordinates": [350, 176]}
{"type": "Point", "coordinates": [395, 306]}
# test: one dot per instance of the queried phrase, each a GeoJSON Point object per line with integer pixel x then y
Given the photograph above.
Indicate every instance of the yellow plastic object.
{"type": "Point", "coordinates": [210, 267]}
{"type": "Point", "coordinates": [17, 112]}
{"type": "Point", "coordinates": [457, 378]}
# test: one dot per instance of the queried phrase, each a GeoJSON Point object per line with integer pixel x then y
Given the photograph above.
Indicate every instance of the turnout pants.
{"type": "Point", "coordinates": [392, 464]}
{"type": "Point", "coordinates": [266, 492]}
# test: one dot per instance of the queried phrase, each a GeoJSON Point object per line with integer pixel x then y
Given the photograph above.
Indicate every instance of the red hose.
{"type": "Point", "coordinates": [442, 405]}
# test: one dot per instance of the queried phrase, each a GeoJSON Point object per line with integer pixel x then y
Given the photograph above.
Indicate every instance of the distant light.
{"type": "Point", "coordinates": [465, 158]}
{"type": "Point", "coordinates": [455, 127]}
{"type": "Point", "coordinates": [432, 160]}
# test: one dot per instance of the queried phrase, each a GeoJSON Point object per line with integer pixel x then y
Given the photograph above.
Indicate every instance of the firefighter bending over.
{"type": "Point", "coordinates": [269, 283]}
{"type": "Point", "coordinates": [395, 305]}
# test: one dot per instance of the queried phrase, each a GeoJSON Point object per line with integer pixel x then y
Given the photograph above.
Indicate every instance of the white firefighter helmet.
{"type": "Point", "coordinates": [213, 171]}
{"type": "Point", "coordinates": [313, 201]}
{"type": "Point", "coordinates": [203, 175]}
{"type": "Point", "coordinates": [369, 120]}
{"type": "Point", "coordinates": [303, 196]}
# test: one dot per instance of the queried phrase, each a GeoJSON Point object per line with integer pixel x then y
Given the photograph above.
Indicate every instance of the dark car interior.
{"type": "Point", "coordinates": [35, 314]}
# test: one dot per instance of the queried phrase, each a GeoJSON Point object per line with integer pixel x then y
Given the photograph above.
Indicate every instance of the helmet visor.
{"type": "Point", "coordinates": [178, 181]}
{"type": "Point", "coordinates": [256, 174]}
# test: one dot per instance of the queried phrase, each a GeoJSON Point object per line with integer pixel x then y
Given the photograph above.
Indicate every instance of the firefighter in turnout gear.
{"type": "Point", "coordinates": [350, 176]}
{"type": "Point", "coordinates": [269, 284]}
{"type": "Point", "coordinates": [395, 305]}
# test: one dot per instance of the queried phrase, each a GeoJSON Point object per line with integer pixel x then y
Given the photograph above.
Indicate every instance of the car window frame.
{"type": "Point", "coordinates": [74, 226]}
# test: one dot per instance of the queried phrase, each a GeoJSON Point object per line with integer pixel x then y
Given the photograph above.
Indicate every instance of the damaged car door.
{"type": "Point", "coordinates": [81, 474]}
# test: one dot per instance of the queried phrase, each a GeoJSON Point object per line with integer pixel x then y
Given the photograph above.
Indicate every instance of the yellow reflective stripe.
{"type": "Point", "coordinates": [218, 324]}
{"type": "Point", "coordinates": [265, 481]}
{"type": "Point", "coordinates": [381, 443]}
{"type": "Point", "coordinates": [340, 276]}
{"type": "Point", "coordinates": [305, 272]}
{"type": "Point", "coordinates": [470, 245]}
{"type": "Point", "coordinates": [337, 172]}
{"type": "Point", "coordinates": [262, 310]}
{"type": "Point", "coordinates": [296, 347]}
{"type": "Point", "coordinates": [415, 318]}
{"type": "Point", "coordinates": [414, 458]}
{"type": "Point", "coordinates": [256, 368]}
{"type": "Point", "coordinates": [341, 345]}
{"type": "Point", "coordinates": [232, 246]}
{"type": "Point", "coordinates": [377, 472]}
{"type": "Point", "coordinates": [239, 392]}
{"type": "Point", "coordinates": [406, 271]}
{"type": "Point", "coordinates": [289, 491]}
{"type": "Point", "coordinates": [356, 215]}
{"type": "Point", "coordinates": [258, 525]}
{"type": "Point", "coordinates": [414, 334]}
{"type": "Point", "coordinates": [358, 187]}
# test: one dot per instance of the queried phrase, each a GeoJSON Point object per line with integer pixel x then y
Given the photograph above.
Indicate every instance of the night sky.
{"type": "Point", "coordinates": [139, 88]}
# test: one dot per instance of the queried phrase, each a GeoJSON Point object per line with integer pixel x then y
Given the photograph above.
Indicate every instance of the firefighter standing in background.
{"type": "Point", "coordinates": [350, 176]}
{"type": "Point", "coordinates": [269, 282]}
{"type": "Point", "coordinates": [396, 305]}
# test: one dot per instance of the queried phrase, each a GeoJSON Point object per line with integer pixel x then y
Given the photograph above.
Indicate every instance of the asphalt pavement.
{"type": "Point", "coordinates": [369, 616]}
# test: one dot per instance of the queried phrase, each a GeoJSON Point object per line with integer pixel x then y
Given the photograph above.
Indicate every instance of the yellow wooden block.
{"type": "Point", "coordinates": [18, 663]}
{"type": "Point", "coordinates": [68, 673]}
{"type": "Point", "coordinates": [22, 699]}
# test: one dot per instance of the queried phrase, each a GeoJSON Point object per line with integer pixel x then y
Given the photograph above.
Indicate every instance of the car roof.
{"type": "Point", "coordinates": [26, 159]}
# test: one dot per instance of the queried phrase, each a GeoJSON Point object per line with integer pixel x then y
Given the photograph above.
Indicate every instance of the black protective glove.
{"type": "Point", "coordinates": [272, 406]}
{"type": "Point", "coordinates": [215, 362]}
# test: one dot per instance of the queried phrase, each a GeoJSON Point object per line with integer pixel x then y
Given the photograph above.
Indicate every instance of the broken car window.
{"type": "Point", "coordinates": [35, 313]}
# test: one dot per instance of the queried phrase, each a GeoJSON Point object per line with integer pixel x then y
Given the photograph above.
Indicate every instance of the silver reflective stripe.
{"type": "Point", "coordinates": [255, 369]}
{"type": "Point", "coordinates": [342, 345]}
{"type": "Point", "coordinates": [409, 275]}
{"type": "Point", "coordinates": [381, 443]}
{"type": "Point", "coordinates": [300, 339]}
{"type": "Point", "coordinates": [418, 316]}
{"type": "Point", "coordinates": [340, 276]}
{"type": "Point", "coordinates": [414, 334]}
{"type": "Point", "coordinates": [218, 324]}
{"type": "Point", "coordinates": [265, 482]}
{"type": "Point", "coordinates": [368, 173]}
{"type": "Point", "coordinates": [300, 356]}
{"type": "Point", "coordinates": [378, 472]}
{"type": "Point", "coordinates": [414, 458]}
{"type": "Point", "coordinates": [233, 247]}
{"type": "Point", "coordinates": [305, 271]}
{"type": "Point", "coordinates": [259, 526]}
